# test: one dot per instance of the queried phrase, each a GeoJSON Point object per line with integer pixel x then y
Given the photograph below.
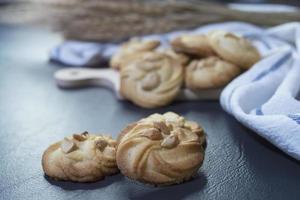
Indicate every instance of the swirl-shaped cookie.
{"type": "Point", "coordinates": [211, 72]}
{"type": "Point", "coordinates": [195, 45]}
{"type": "Point", "coordinates": [234, 49]}
{"type": "Point", "coordinates": [129, 50]}
{"type": "Point", "coordinates": [161, 149]}
{"type": "Point", "coordinates": [151, 80]}
{"type": "Point", "coordinates": [81, 158]}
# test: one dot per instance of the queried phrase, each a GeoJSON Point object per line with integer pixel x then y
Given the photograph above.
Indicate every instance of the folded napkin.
{"type": "Point", "coordinates": [263, 99]}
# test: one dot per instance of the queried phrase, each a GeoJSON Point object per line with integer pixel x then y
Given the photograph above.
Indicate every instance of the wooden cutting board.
{"type": "Point", "coordinates": [109, 78]}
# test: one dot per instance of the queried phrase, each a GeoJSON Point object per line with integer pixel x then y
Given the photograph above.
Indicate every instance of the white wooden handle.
{"type": "Point", "coordinates": [80, 77]}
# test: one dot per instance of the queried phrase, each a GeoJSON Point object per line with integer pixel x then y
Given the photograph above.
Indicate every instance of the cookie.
{"type": "Point", "coordinates": [129, 50]}
{"type": "Point", "coordinates": [161, 149]}
{"type": "Point", "coordinates": [81, 158]}
{"type": "Point", "coordinates": [179, 57]}
{"type": "Point", "coordinates": [211, 72]}
{"type": "Point", "coordinates": [152, 80]}
{"type": "Point", "coordinates": [234, 49]}
{"type": "Point", "coordinates": [194, 45]}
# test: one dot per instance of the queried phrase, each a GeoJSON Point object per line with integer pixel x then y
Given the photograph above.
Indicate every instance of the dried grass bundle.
{"type": "Point", "coordinates": [114, 20]}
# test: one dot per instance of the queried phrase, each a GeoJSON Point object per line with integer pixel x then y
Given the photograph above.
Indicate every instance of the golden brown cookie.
{"type": "Point", "coordinates": [161, 149]}
{"type": "Point", "coordinates": [129, 50]}
{"type": "Point", "coordinates": [180, 57]}
{"type": "Point", "coordinates": [81, 158]}
{"type": "Point", "coordinates": [152, 80]}
{"type": "Point", "coordinates": [195, 45]}
{"type": "Point", "coordinates": [234, 49]}
{"type": "Point", "coordinates": [211, 72]}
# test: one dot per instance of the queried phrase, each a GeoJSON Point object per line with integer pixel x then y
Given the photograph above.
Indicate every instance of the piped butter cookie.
{"type": "Point", "coordinates": [211, 72]}
{"type": "Point", "coordinates": [151, 80]}
{"type": "Point", "coordinates": [161, 149]}
{"type": "Point", "coordinates": [81, 158]}
{"type": "Point", "coordinates": [234, 49]}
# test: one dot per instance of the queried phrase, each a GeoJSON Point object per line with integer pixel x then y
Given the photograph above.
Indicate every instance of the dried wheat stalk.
{"type": "Point", "coordinates": [113, 20]}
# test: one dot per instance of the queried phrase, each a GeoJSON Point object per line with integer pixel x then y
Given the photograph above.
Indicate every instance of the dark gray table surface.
{"type": "Point", "coordinates": [35, 113]}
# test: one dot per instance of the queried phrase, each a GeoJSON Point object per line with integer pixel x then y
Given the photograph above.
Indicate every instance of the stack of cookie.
{"type": "Point", "coordinates": [160, 150]}
{"type": "Point", "coordinates": [152, 77]}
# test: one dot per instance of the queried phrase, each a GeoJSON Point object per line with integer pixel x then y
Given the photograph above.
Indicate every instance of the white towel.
{"type": "Point", "coordinates": [263, 98]}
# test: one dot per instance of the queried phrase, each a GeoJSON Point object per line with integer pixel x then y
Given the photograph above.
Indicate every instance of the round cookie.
{"type": "Point", "coordinates": [161, 149]}
{"type": "Point", "coordinates": [195, 45]}
{"type": "Point", "coordinates": [81, 158]}
{"type": "Point", "coordinates": [129, 50]}
{"type": "Point", "coordinates": [234, 49]}
{"type": "Point", "coordinates": [211, 72]}
{"type": "Point", "coordinates": [151, 80]}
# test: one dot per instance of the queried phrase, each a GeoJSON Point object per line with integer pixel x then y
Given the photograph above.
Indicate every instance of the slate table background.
{"type": "Point", "coordinates": [35, 113]}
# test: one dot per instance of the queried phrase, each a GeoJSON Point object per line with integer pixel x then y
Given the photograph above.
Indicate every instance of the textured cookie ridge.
{"type": "Point", "coordinates": [161, 149]}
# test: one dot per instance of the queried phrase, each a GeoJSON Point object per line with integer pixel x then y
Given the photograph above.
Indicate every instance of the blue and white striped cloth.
{"type": "Point", "coordinates": [264, 98]}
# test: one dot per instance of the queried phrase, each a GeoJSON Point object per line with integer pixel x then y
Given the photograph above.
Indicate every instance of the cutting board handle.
{"type": "Point", "coordinates": [83, 77]}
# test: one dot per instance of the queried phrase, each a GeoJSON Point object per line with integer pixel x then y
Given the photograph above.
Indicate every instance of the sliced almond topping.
{"type": "Point", "coordinates": [192, 125]}
{"type": "Point", "coordinates": [170, 126]}
{"type": "Point", "coordinates": [174, 119]}
{"type": "Point", "coordinates": [201, 137]}
{"type": "Point", "coordinates": [151, 81]}
{"type": "Point", "coordinates": [101, 144]}
{"type": "Point", "coordinates": [77, 156]}
{"type": "Point", "coordinates": [110, 152]}
{"type": "Point", "coordinates": [68, 146]}
{"type": "Point", "coordinates": [176, 123]}
{"type": "Point", "coordinates": [199, 131]}
{"type": "Point", "coordinates": [85, 133]}
{"type": "Point", "coordinates": [162, 126]}
{"type": "Point", "coordinates": [79, 137]}
{"type": "Point", "coordinates": [230, 35]}
{"type": "Point", "coordinates": [113, 143]}
{"type": "Point", "coordinates": [152, 133]}
{"type": "Point", "coordinates": [177, 131]}
{"type": "Point", "coordinates": [170, 141]}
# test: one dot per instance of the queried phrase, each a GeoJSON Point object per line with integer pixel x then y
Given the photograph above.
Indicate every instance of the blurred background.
{"type": "Point", "coordinates": [114, 20]}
